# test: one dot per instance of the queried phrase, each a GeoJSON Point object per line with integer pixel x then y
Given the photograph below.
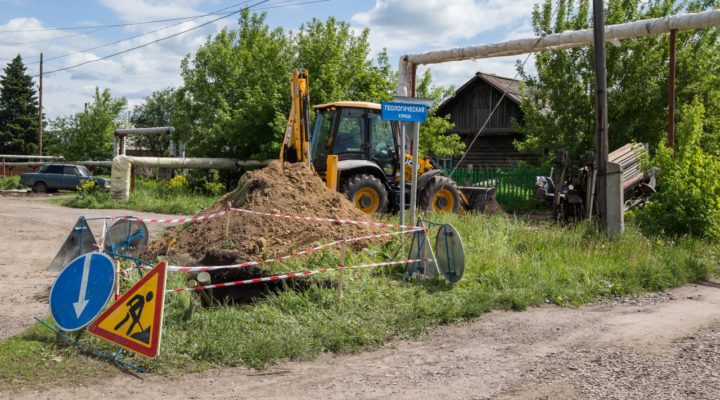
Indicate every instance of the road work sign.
{"type": "Point", "coordinates": [81, 290]}
{"type": "Point", "coordinates": [134, 321]}
{"type": "Point", "coordinates": [394, 111]}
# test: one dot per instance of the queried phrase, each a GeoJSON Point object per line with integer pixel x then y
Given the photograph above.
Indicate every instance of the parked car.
{"type": "Point", "coordinates": [53, 177]}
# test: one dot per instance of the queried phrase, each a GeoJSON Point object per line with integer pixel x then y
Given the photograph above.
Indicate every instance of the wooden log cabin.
{"type": "Point", "coordinates": [470, 106]}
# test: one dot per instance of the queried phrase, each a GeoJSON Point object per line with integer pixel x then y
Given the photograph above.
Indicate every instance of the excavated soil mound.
{"type": "Point", "coordinates": [278, 188]}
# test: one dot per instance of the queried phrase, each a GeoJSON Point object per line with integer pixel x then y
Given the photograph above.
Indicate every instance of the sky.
{"type": "Point", "coordinates": [29, 27]}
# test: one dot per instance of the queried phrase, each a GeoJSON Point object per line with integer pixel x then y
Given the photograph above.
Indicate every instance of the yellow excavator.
{"type": "Point", "coordinates": [356, 152]}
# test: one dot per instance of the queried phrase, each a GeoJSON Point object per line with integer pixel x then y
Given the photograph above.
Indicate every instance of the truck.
{"type": "Point", "coordinates": [53, 177]}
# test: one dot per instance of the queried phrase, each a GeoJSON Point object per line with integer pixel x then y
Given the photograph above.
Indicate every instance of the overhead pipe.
{"type": "Point", "coordinates": [556, 41]}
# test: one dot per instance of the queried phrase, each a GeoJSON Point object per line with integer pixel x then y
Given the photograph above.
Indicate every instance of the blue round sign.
{"type": "Point", "coordinates": [81, 291]}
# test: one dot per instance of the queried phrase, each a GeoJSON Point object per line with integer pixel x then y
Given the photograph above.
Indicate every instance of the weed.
{"type": "Point", "coordinates": [11, 182]}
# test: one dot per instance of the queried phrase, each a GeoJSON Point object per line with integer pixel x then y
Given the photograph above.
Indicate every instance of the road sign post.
{"type": "Point", "coordinates": [81, 290]}
{"type": "Point", "coordinates": [412, 112]}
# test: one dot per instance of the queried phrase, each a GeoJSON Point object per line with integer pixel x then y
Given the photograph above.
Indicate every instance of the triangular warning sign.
{"type": "Point", "coordinates": [79, 241]}
{"type": "Point", "coordinates": [134, 321]}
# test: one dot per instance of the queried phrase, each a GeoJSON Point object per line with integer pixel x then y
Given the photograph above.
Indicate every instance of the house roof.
{"type": "Point", "coordinates": [511, 87]}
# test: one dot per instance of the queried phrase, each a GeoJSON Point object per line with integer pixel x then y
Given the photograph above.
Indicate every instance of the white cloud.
{"type": "Point", "coordinates": [134, 74]}
{"type": "Point", "coordinates": [406, 25]}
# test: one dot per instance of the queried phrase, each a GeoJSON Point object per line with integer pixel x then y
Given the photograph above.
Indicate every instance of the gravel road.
{"type": "Point", "coordinates": [656, 346]}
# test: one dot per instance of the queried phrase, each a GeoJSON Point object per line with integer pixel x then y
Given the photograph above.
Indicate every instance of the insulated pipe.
{"type": "Point", "coordinates": [556, 41]}
{"type": "Point", "coordinates": [161, 130]}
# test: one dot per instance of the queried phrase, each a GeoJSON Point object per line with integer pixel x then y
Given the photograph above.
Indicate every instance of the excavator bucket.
{"type": "Point", "coordinates": [477, 198]}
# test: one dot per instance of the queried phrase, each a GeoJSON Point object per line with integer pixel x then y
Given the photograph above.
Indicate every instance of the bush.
{"type": "Point", "coordinates": [688, 197]}
{"type": "Point", "coordinates": [11, 182]}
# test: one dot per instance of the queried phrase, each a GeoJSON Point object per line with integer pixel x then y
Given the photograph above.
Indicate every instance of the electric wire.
{"type": "Point", "coordinates": [151, 42]}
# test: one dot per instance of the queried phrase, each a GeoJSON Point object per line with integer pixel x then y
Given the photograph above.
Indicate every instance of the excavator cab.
{"type": "Point", "coordinates": [366, 150]}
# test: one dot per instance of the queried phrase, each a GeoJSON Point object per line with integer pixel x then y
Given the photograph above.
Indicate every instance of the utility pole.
{"type": "Point", "coordinates": [671, 92]}
{"type": "Point", "coordinates": [601, 118]}
{"type": "Point", "coordinates": [40, 111]}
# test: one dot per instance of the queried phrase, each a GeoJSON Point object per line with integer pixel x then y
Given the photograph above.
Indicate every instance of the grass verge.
{"type": "Point", "coordinates": [11, 182]}
{"type": "Point", "coordinates": [149, 195]}
{"type": "Point", "coordinates": [510, 265]}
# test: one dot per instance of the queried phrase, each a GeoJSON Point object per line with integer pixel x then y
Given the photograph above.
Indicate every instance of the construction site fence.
{"type": "Point", "coordinates": [515, 185]}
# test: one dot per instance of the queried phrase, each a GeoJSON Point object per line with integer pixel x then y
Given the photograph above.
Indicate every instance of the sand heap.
{"type": "Point", "coordinates": [279, 188]}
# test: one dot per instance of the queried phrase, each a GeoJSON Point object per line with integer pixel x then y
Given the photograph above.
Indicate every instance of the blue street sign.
{"type": "Point", "coordinates": [81, 291]}
{"type": "Point", "coordinates": [393, 111]}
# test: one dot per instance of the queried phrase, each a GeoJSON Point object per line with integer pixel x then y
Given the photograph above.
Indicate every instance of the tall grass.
{"type": "Point", "coordinates": [510, 265]}
{"type": "Point", "coordinates": [11, 182]}
{"type": "Point", "coordinates": [150, 195]}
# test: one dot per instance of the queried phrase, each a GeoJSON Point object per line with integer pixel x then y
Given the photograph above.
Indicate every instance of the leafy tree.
{"type": "Point", "coordinates": [235, 93]}
{"type": "Point", "coordinates": [235, 97]}
{"type": "Point", "coordinates": [559, 102]}
{"type": "Point", "coordinates": [434, 138]}
{"type": "Point", "coordinates": [18, 110]}
{"type": "Point", "coordinates": [340, 65]}
{"type": "Point", "coordinates": [157, 110]}
{"type": "Point", "coordinates": [88, 135]}
{"type": "Point", "coordinates": [688, 197]}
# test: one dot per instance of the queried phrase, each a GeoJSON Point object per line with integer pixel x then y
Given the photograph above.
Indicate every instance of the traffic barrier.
{"type": "Point", "coordinates": [283, 258]}
{"type": "Point", "coordinates": [293, 275]}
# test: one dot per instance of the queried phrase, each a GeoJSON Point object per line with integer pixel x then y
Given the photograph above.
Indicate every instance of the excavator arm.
{"type": "Point", "coordinates": [295, 146]}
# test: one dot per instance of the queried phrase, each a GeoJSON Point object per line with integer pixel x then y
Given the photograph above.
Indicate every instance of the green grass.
{"type": "Point", "coordinates": [510, 265]}
{"type": "Point", "coordinates": [11, 182]}
{"type": "Point", "coordinates": [149, 195]}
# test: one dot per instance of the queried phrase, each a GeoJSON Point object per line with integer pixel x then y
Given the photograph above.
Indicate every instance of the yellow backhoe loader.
{"type": "Point", "coordinates": [357, 153]}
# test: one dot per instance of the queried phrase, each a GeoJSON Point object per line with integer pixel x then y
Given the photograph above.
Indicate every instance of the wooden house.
{"type": "Point", "coordinates": [470, 107]}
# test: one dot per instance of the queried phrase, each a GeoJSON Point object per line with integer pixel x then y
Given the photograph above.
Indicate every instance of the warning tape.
{"type": "Point", "coordinates": [283, 258]}
{"type": "Point", "coordinates": [331, 220]}
{"type": "Point", "coordinates": [173, 220]}
{"type": "Point", "coordinates": [293, 275]}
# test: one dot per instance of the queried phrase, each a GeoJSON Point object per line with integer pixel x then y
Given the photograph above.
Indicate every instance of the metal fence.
{"type": "Point", "coordinates": [514, 186]}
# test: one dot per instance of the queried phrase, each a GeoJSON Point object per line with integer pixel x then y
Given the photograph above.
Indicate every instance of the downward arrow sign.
{"type": "Point", "coordinates": [82, 302]}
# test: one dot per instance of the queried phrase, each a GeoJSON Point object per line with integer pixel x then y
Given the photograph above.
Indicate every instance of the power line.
{"type": "Point", "coordinates": [133, 37]}
{"type": "Point", "coordinates": [57, 37]}
{"type": "Point", "coordinates": [69, 28]}
{"type": "Point", "coordinates": [153, 41]}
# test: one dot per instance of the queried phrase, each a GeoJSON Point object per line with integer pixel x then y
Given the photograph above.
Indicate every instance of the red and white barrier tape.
{"type": "Point", "coordinates": [283, 258]}
{"type": "Point", "coordinates": [173, 220]}
{"type": "Point", "coordinates": [331, 220]}
{"type": "Point", "coordinates": [292, 275]}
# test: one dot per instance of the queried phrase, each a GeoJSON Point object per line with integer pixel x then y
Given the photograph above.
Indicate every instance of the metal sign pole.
{"type": "Point", "coordinates": [413, 179]}
{"type": "Point", "coordinates": [401, 155]}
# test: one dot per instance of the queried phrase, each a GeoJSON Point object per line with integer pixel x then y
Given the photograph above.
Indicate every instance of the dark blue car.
{"type": "Point", "coordinates": [60, 177]}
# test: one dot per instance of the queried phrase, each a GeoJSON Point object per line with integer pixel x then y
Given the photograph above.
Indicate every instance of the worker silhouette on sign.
{"type": "Point", "coordinates": [135, 309]}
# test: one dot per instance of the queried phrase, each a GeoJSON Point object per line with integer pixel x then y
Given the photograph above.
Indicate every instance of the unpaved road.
{"type": "Point", "coordinates": [658, 346]}
{"type": "Point", "coordinates": [31, 233]}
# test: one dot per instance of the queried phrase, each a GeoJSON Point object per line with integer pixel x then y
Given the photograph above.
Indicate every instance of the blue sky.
{"type": "Point", "coordinates": [401, 26]}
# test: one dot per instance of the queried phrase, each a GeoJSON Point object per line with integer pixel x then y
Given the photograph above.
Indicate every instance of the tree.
{"type": "Point", "coordinates": [340, 64]}
{"type": "Point", "coordinates": [18, 110]}
{"type": "Point", "coordinates": [559, 103]}
{"type": "Point", "coordinates": [688, 197]}
{"type": "Point", "coordinates": [88, 135]}
{"type": "Point", "coordinates": [434, 137]}
{"type": "Point", "coordinates": [235, 97]}
{"type": "Point", "coordinates": [157, 110]}
{"type": "Point", "coordinates": [235, 93]}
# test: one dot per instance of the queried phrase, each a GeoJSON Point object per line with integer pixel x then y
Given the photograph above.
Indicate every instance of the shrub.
{"type": "Point", "coordinates": [688, 197]}
{"type": "Point", "coordinates": [178, 183]}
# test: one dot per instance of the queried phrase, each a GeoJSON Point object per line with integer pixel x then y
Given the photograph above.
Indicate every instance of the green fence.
{"type": "Point", "coordinates": [515, 186]}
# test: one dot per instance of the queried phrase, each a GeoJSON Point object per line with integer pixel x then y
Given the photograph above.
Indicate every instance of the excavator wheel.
{"type": "Point", "coordinates": [367, 193]}
{"type": "Point", "coordinates": [441, 194]}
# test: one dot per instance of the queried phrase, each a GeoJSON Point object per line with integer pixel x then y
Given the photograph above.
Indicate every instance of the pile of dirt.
{"type": "Point", "coordinates": [278, 188]}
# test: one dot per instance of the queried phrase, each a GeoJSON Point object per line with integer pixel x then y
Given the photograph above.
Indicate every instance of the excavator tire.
{"type": "Point", "coordinates": [367, 192]}
{"type": "Point", "coordinates": [440, 194]}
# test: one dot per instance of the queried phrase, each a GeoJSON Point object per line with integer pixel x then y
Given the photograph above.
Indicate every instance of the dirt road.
{"type": "Point", "coordinates": [658, 346]}
{"type": "Point", "coordinates": [31, 233]}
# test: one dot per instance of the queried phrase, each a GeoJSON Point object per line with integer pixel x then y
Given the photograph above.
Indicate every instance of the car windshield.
{"type": "Point", "coordinates": [83, 171]}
